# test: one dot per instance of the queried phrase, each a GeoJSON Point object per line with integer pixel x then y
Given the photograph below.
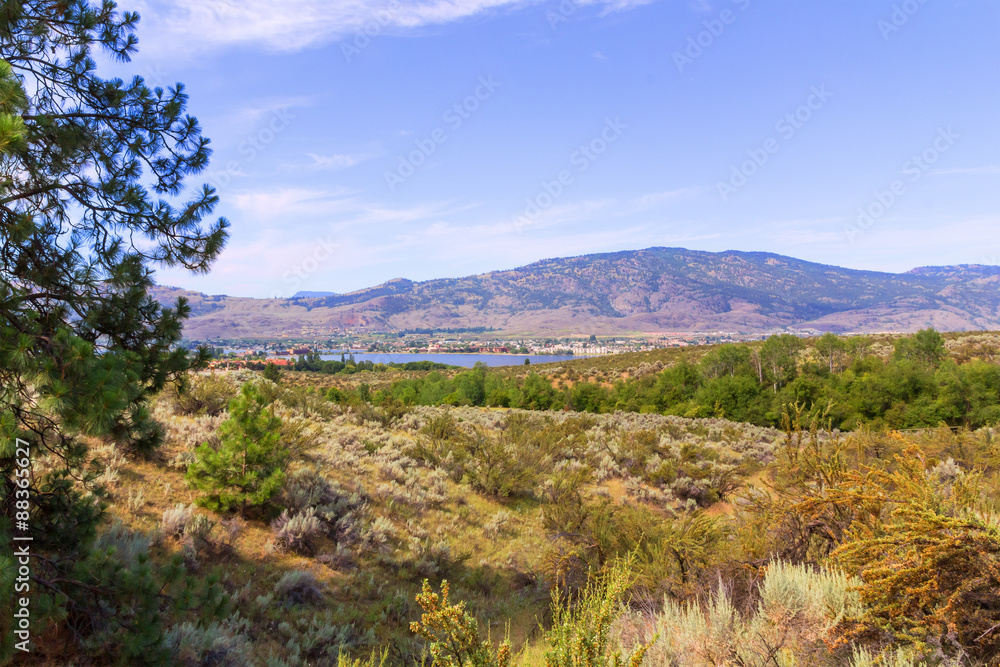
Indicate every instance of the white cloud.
{"type": "Point", "coordinates": [254, 113]}
{"type": "Point", "coordinates": [336, 161]}
{"type": "Point", "coordinates": [284, 202]}
{"type": "Point", "coordinates": [323, 210]}
{"type": "Point", "coordinates": [611, 6]}
{"type": "Point", "coordinates": [292, 25]}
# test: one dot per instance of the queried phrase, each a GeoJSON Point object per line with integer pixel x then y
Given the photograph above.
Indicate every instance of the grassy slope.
{"type": "Point", "coordinates": [500, 576]}
{"type": "Point", "coordinates": [503, 577]}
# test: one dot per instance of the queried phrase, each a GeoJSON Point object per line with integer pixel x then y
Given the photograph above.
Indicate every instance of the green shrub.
{"type": "Point", "coordinates": [298, 587]}
{"type": "Point", "coordinates": [670, 554]}
{"type": "Point", "coordinates": [318, 639]}
{"type": "Point", "coordinates": [566, 510]}
{"type": "Point", "coordinates": [441, 427]}
{"type": "Point", "coordinates": [205, 395]}
{"type": "Point", "coordinates": [508, 463]}
{"type": "Point", "coordinates": [388, 414]}
{"type": "Point", "coordinates": [297, 532]}
{"type": "Point", "coordinates": [497, 467]}
{"type": "Point", "coordinates": [126, 598]}
{"type": "Point", "coordinates": [222, 643]}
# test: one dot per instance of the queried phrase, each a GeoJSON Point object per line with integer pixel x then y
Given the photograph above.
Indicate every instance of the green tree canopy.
{"type": "Point", "coordinates": [779, 357]}
{"type": "Point", "coordinates": [925, 346]}
{"type": "Point", "coordinates": [830, 348]}
{"type": "Point", "coordinates": [272, 373]}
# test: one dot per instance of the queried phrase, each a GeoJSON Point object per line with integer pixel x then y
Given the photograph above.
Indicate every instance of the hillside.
{"type": "Point", "coordinates": [507, 505]}
{"type": "Point", "coordinates": [651, 290]}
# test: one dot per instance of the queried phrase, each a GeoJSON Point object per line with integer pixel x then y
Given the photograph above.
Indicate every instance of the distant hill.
{"type": "Point", "coordinates": [651, 290]}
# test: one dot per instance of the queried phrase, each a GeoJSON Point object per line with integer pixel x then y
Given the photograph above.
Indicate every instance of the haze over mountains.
{"type": "Point", "coordinates": [629, 292]}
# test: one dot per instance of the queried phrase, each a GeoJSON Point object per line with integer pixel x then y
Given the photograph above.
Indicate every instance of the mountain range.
{"type": "Point", "coordinates": [630, 292]}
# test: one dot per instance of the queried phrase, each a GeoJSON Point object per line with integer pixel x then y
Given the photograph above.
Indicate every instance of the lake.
{"type": "Point", "coordinates": [467, 360]}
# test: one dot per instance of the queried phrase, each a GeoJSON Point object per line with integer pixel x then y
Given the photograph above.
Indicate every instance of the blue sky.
{"type": "Point", "coordinates": [362, 140]}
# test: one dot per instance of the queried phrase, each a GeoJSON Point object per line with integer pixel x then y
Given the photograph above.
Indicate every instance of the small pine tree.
{"type": "Point", "coordinates": [272, 373]}
{"type": "Point", "coordinates": [248, 467]}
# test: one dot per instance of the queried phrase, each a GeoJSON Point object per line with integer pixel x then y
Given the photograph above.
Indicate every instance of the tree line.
{"type": "Point", "coordinates": [348, 365]}
{"type": "Point", "coordinates": [918, 385]}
